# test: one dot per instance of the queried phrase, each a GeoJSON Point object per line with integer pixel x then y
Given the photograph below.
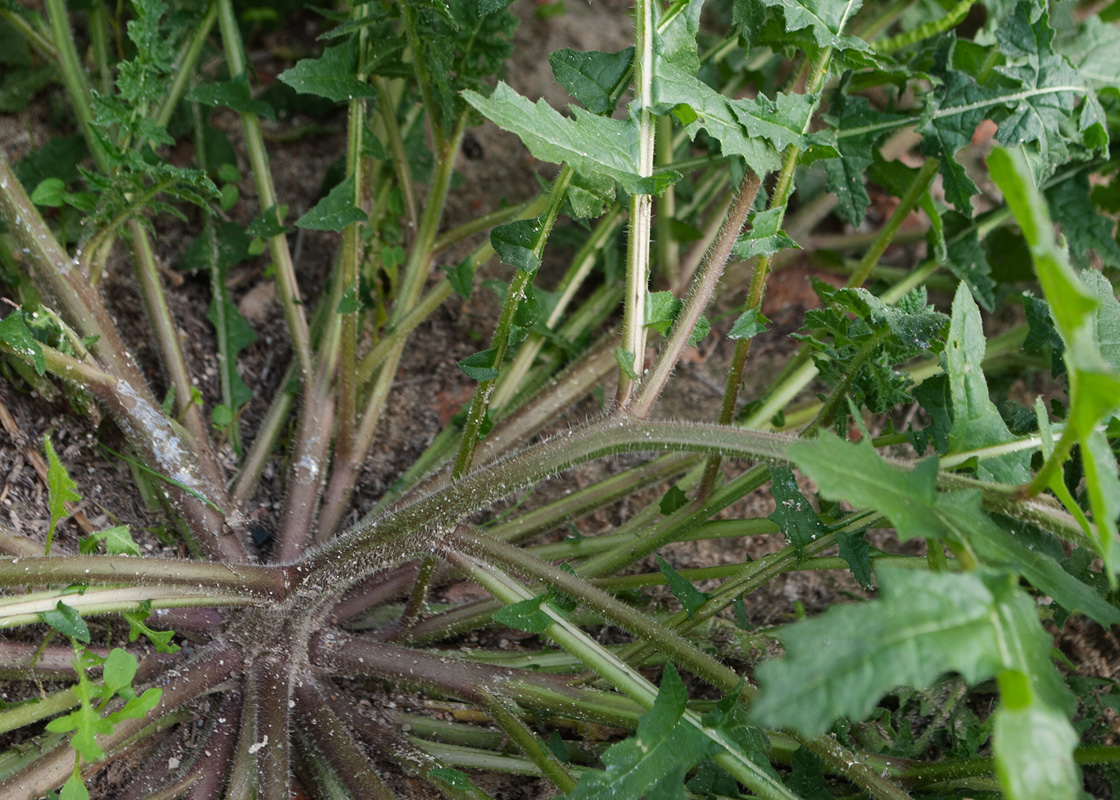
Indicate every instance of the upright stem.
{"type": "Point", "coordinates": [262, 177]}
{"type": "Point", "coordinates": [641, 206]}
{"type": "Point", "coordinates": [702, 287]}
{"type": "Point", "coordinates": [778, 199]}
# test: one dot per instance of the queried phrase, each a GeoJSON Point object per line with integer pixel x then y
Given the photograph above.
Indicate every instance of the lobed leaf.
{"type": "Point", "coordinates": [332, 75]}
{"type": "Point", "coordinates": [662, 750]}
{"type": "Point", "coordinates": [590, 144]}
{"type": "Point", "coordinates": [842, 662]}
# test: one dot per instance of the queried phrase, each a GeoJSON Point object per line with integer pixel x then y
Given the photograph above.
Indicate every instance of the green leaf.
{"type": "Point", "coordinates": [118, 541]}
{"type": "Point", "coordinates": [765, 236]}
{"type": "Point", "coordinates": [457, 781]}
{"type": "Point", "coordinates": [966, 259]}
{"type": "Point", "coordinates": [480, 366]}
{"type": "Point", "coordinates": [854, 549]}
{"type": "Point", "coordinates": [1085, 228]}
{"type": "Point", "coordinates": [74, 789]}
{"type": "Point", "coordinates": [595, 79]}
{"type": "Point", "coordinates": [137, 707]}
{"type": "Point", "coordinates": [923, 625]}
{"type": "Point", "coordinates": [673, 500]}
{"type": "Point", "coordinates": [118, 671]}
{"type": "Point", "coordinates": [823, 19]}
{"type": "Point", "coordinates": [516, 243]}
{"type": "Point", "coordinates": [332, 75]}
{"type": "Point", "coordinates": [525, 616]}
{"type": "Point", "coordinates": [748, 325]}
{"type": "Point", "coordinates": [588, 196]}
{"type": "Point", "coordinates": [16, 335]}
{"type": "Point", "coordinates": [50, 193]}
{"type": "Point", "coordinates": [691, 598]}
{"type": "Point", "coordinates": [976, 420]}
{"type": "Point", "coordinates": [793, 515]}
{"type": "Point", "coordinates": [625, 361]}
{"type": "Point", "coordinates": [1033, 744]}
{"type": "Point", "coordinates": [67, 621]}
{"type": "Point", "coordinates": [270, 223]}
{"type": "Point", "coordinates": [60, 490]}
{"type": "Point", "coordinates": [461, 278]}
{"type": "Point", "coordinates": [590, 144]}
{"type": "Point", "coordinates": [234, 335]}
{"type": "Point", "coordinates": [349, 302]}
{"type": "Point", "coordinates": [856, 473]}
{"type": "Point", "coordinates": [335, 211]}
{"type": "Point", "coordinates": [1094, 382]}
{"type": "Point", "coordinates": [859, 127]}
{"type": "Point", "coordinates": [233, 94]}
{"type": "Point", "coordinates": [663, 743]}
{"type": "Point", "coordinates": [661, 309]}
{"type": "Point", "coordinates": [756, 129]}
{"type": "Point", "coordinates": [161, 640]}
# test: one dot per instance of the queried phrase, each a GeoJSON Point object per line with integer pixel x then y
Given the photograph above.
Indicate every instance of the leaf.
{"type": "Point", "coordinates": [16, 335]}
{"type": "Point", "coordinates": [67, 621]}
{"type": "Point", "coordinates": [461, 278]}
{"type": "Point", "coordinates": [976, 420]}
{"type": "Point", "coordinates": [525, 616]}
{"type": "Point", "coordinates": [691, 597]}
{"type": "Point", "coordinates": [854, 549]}
{"type": "Point", "coordinates": [335, 211]}
{"type": "Point", "coordinates": [1084, 227]}
{"type": "Point", "coordinates": [625, 361]}
{"type": "Point", "coordinates": [588, 196]}
{"type": "Point", "coordinates": [60, 491]}
{"type": "Point", "coordinates": [137, 707]}
{"type": "Point", "coordinates": [516, 243]}
{"type": "Point", "coordinates": [460, 782]}
{"type": "Point", "coordinates": [161, 640]}
{"type": "Point", "coordinates": [118, 671]}
{"type": "Point", "coordinates": [270, 223]}
{"type": "Point", "coordinates": [74, 789]}
{"type": "Point", "coordinates": [234, 335]}
{"type": "Point", "coordinates": [590, 144]}
{"type": "Point", "coordinates": [663, 743]}
{"type": "Point", "coordinates": [966, 259]}
{"type": "Point", "coordinates": [857, 474]}
{"type": "Point", "coordinates": [755, 128]}
{"type": "Point", "coordinates": [765, 236]}
{"type": "Point", "coordinates": [1094, 382]}
{"type": "Point", "coordinates": [595, 79]}
{"type": "Point", "coordinates": [118, 541]}
{"type": "Point", "coordinates": [661, 309]}
{"type": "Point", "coordinates": [748, 325]}
{"type": "Point", "coordinates": [480, 366]}
{"type": "Point", "coordinates": [793, 515]}
{"type": "Point", "coordinates": [824, 20]}
{"type": "Point", "coordinates": [923, 625]}
{"type": "Point", "coordinates": [233, 94]}
{"type": "Point", "coordinates": [859, 128]}
{"type": "Point", "coordinates": [1033, 744]}
{"type": "Point", "coordinates": [332, 75]}
{"type": "Point", "coordinates": [673, 500]}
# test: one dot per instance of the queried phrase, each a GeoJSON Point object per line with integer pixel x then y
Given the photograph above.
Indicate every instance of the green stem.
{"type": "Point", "coordinates": [262, 178]}
{"type": "Point", "coordinates": [641, 206]}
{"type": "Point", "coordinates": [528, 742]}
{"type": "Point", "coordinates": [627, 680]}
{"type": "Point", "coordinates": [388, 113]}
{"type": "Point", "coordinates": [246, 580]}
{"type": "Point", "coordinates": [702, 287]}
{"type": "Point", "coordinates": [906, 203]}
{"type": "Point", "coordinates": [518, 287]}
{"type": "Point", "coordinates": [74, 78]}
